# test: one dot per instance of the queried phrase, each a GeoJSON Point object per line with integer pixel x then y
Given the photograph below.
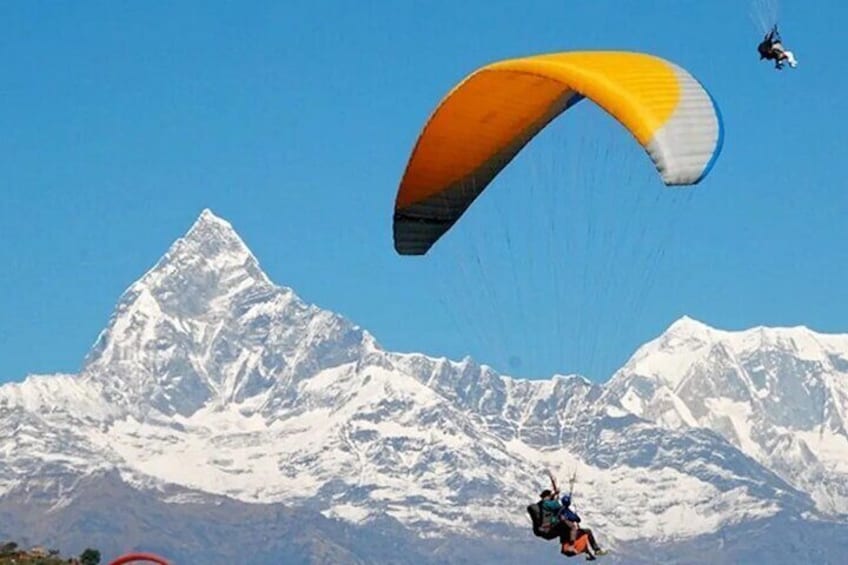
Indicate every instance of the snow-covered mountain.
{"type": "Point", "coordinates": [210, 380]}
{"type": "Point", "coordinates": [778, 394]}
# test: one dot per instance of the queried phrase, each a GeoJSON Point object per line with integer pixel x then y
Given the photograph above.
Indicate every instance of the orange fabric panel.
{"type": "Point", "coordinates": [495, 104]}
{"type": "Point", "coordinates": [477, 119]}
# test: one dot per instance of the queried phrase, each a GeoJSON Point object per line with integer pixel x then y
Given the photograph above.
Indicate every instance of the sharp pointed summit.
{"type": "Point", "coordinates": [687, 323]}
{"type": "Point", "coordinates": [171, 342]}
{"type": "Point", "coordinates": [209, 257]}
{"type": "Point", "coordinates": [213, 230]}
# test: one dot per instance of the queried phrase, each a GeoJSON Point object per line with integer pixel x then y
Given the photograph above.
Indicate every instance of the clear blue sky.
{"type": "Point", "coordinates": [294, 121]}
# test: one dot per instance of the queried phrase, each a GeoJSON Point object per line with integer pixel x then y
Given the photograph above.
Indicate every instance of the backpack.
{"type": "Point", "coordinates": [542, 521]}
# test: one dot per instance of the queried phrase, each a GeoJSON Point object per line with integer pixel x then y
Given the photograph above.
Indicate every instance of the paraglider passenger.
{"type": "Point", "coordinates": [569, 518]}
{"type": "Point", "coordinates": [571, 522]}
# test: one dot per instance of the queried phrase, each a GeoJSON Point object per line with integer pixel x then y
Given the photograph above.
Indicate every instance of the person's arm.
{"type": "Point", "coordinates": [572, 517]}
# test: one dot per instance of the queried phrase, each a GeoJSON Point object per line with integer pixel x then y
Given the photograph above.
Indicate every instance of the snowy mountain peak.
{"type": "Point", "coordinates": [207, 216]}
{"type": "Point", "coordinates": [689, 326]}
{"type": "Point", "coordinates": [686, 331]}
{"type": "Point", "coordinates": [211, 249]}
{"type": "Point", "coordinates": [779, 394]}
{"type": "Point", "coordinates": [214, 235]}
{"type": "Point", "coordinates": [206, 324]}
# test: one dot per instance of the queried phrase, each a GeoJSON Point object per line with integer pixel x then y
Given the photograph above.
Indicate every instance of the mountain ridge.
{"type": "Point", "coordinates": [209, 377]}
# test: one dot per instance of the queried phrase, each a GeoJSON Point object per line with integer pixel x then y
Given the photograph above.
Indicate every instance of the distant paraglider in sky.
{"type": "Point", "coordinates": [765, 15]}
{"type": "Point", "coordinates": [771, 48]}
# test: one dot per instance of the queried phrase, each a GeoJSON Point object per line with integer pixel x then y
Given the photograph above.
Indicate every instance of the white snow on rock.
{"type": "Point", "coordinates": [210, 376]}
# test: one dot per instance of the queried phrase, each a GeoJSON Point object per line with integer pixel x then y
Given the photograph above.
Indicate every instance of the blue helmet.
{"type": "Point", "coordinates": [566, 500]}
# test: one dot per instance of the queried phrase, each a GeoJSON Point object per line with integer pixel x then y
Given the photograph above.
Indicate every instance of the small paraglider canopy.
{"type": "Point", "coordinates": [140, 558]}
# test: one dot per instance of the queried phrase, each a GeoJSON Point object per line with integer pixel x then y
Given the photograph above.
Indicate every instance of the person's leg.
{"type": "Point", "coordinates": [566, 536]}
{"type": "Point", "coordinates": [582, 545]}
{"type": "Point", "coordinates": [790, 58]}
{"type": "Point", "coordinates": [589, 533]}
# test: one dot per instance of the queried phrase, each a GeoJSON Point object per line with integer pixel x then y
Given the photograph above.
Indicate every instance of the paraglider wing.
{"type": "Point", "coordinates": [481, 125]}
{"type": "Point", "coordinates": [139, 558]}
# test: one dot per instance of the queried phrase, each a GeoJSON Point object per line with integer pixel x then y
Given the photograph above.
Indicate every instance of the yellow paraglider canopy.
{"type": "Point", "coordinates": [494, 112]}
